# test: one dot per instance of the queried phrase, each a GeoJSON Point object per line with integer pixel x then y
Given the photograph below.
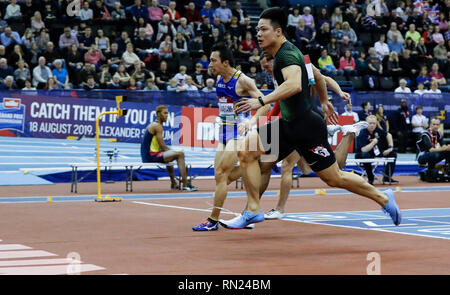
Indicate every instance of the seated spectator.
{"type": "Point", "coordinates": [223, 12]}
{"type": "Point", "coordinates": [114, 56]}
{"type": "Point", "coordinates": [437, 35]}
{"type": "Point", "coordinates": [324, 35]}
{"type": "Point", "coordinates": [412, 33]}
{"type": "Point", "coordinates": [162, 76]}
{"type": "Point", "coordinates": [41, 73]}
{"type": "Point", "coordinates": [246, 46]}
{"type": "Point", "coordinates": [174, 15]}
{"type": "Point", "coordinates": [132, 85]}
{"type": "Point", "coordinates": [347, 65]}
{"type": "Point", "coordinates": [204, 62]}
{"type": "Point", "coordinates": [349, 33]}
{"type": "Point", "coordinates": [114, 83]}
{"type": "Point", "coordinates": [179, 46]}
{"type": "Point", "coordinates": [333, 48]}
{"type": "Point", "coordinates": [123, 75]}
{"type": "Point", "coordinates": [366, 110]}
{"type": "Point", "coordinates": [252, 73]}
{"type": "Point", "coordinates": [174, 86]}
{"type": "Point", "coordinates": [402, 87]}
{"type": "Point", "coordinates": [375, 69]}
{"type": "Point", "coordinates": [87, 39]}
{"type": "Point", "coordinates": [433, 88]}
{"type": "Point", "coordinates": [86, 13]}
{"type": "Point", "coordinates": [8, 83]}
{"type": "Point", "coordinates": [346, 45]}
{"type": "Point", "coordinates": [186, 29]}
{"type": "Point", "coordinates": [382, 119]}
{"type": "Point", "coordinates": [13, 11]}
{"type": "Point", "coordinates": [66, 39]}
{"type": "Point", "coordinates": [424, 77]}
{"type": "Point", "coordinates": [102, 41]}
{"type": "Point", "coordinates": [293, 18]}
{"type": "Point", "coordinates": [5, 69]}
{"type": "Point", "coordinates": [16, 55]}
{"type": "Point", "coordinates": [28, 86]}
{"type": "Point", "coordinates": [436, 75]}
{"type": "Point", "coordinates": [394, 31]}
{"type": "Point", "coordinates": [208, 11]}
{"type": "Point", "coordinates": [61, 75]}
{"type": "Point", "coordinates": [100, 11]}
{"type": "Point", "coordinates": [336, 17]}
{"type": "Point", "coordinates": [209, 86]}
{"type": "Point", "coordinates": [129, 57]}
{"type": "Point", "coordinates": [431, 146]}
{"type": "Point", "coordinates": [326, 64]}
{"type": "Point", "coordinates": [361, 64]}
{"type": "Point", "coordinates": [304, 35]}
{"type": "Point", "coordinates": [307, 16]}
{"type": "Point", "coordinates": [196, 47]}
{"type": "Point", "coordinates": [42, 39]}
{"type": "Point", "coordinates": [90, 84]}
{"type": "Point", "coordinates": [155, 13]}
{"type": "Point", "coordinates": [419, 122]}
{"type": "Point", "coordinates": [50, 53]}
{"type": "Point", "coordinates": [323, 17]}
{"type": "Point", "coordinates": [198, 76]}
{"type": "Point", "coordinates": [381, 47]}
{"type": "Point", "coordinates": [349, 112]}
{"type": "Point", "coordinates": [181, 75]}
{"type": "Point", "coordinates": [9, 38]}
{"type": "Point", "coordinates": [422, 50]}
{"type": "Point", "coordinates": [337, 32]}
{"type": "Point", "coordinates": [85, 72]}
{"type": "Point", "coordinates": [94, 56]}
{"type": "Point", "coordinates": [189, 84]}
{"type": "Point", "coordinates": [138, 10]}
{"type": "Point", "coordinates": [52, 85]}
{"type": "Point", "coordinates": [400, 126]}
{"type": "Point", "coordinates": [117, 13]}
{"type": "Point", "coordinates": [141, 74]}
{"type": "Point", "coordinates": [440, 53]}
{"type": "Point", "coordinates": [142, 43]}
{"type": "Point", "coordinates": [192, 15]}
{"type": "Point", "coordinates": [420, 89]}
{"type": "Point", "coordinates": [49, 14]}
{"type": "Point", "coordinates": [150, 85]}
{"type": "Point", "coordinates": [166, 48]}
{"type": "Point", "coordinates": [104, 77]}
{"type": "Point", "coordinates": [21, 74]}
{"type": "Point", "coordinates": [36, 22]}
{"type": "Point", "coordinates": [240, 13]}
{"type": "Point", "coordinates": [395, 44]}
{"type": "Point", "coordinates": [28, 39]}
{"type": "Point", "coordinates": [393, 67]}
{"type": "Point", "coordinates": [165, 27]}
{"type": "Point", "coordinates": [374, 142]}
{"type": "Point", "coordinates": [74, 62]}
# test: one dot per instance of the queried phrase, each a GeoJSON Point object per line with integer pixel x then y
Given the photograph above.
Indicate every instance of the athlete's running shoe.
{"type": "Point", "coordinates": [355, 128]}
{"type": "Point", "coordinates": [190, 188]}
{"type": "Point", "coordinates": [274, 214]}
{"type": "Point", "coordinates": [206, 225]}
{"type": "Point", "coordinates": [233, 220]}
{"type": "Point", "coordinates": [244, 220]}
{"type": "Point", "coordinates": [391, 208]}
{"type": "Point", "coordinates": [332, 129]}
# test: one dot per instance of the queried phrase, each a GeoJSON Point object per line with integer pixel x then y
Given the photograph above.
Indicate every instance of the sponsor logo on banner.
{"type": "Point", "coordinates": [12, 114]}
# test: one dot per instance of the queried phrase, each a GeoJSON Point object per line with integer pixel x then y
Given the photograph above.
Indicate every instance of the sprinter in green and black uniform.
{"type": "Point", "coordinates": [300, 128]}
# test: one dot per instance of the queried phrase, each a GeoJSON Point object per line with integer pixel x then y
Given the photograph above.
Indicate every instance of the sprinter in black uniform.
{"type": "Point", "coordinates": [300, 128]}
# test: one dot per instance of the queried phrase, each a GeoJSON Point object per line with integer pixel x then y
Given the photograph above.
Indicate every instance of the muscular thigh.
{"type": "Point", "coordinates": [226, 157]}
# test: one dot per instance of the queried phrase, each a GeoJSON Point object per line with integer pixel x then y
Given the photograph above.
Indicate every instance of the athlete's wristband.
{"type": "Point", "coordinates": [261, 101]}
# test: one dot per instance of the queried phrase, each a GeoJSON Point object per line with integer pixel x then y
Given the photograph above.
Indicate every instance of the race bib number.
{"type": "Point", "coordinates": [408, 121]}
{"type": "Point", "coordinates": [226, 109]}
{"type": "Point", "coordinates": [376, 150]}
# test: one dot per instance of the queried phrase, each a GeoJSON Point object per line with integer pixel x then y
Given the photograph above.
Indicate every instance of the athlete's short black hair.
{"type": "Point", "coordinates": [277, 17]}
{"type": "Point", "coordinates": [224, 52]}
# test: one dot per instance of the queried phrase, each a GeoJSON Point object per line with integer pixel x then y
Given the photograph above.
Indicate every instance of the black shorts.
{"type": "Point", "coordinates": [308, 136]}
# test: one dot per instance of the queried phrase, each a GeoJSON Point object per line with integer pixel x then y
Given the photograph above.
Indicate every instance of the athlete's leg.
{"type": "Point", "coordinates": [341, 151]}
{"type": "Point", "coordinates": [172, 155]}
{"type": "Point", "coordinates": [234, 175]}
{"type": "Point", "coordinates": [304, 166]}
{"type": "Point", "coordinates": [354, 183]}
{"type": "Point", "coordinates": [173, 180]}
{"type": "Point", "coordinates": [286, 179]}
{"type": "Point", "coordinates": [224, 164]}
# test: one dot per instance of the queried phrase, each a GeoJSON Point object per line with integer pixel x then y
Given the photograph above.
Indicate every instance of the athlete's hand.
{"type": "Point", "coordinates": [247, 104]}
{"type": "Point", "coordinates": [243, 128]}
{"type": "Point", "coordinates": [346, 97]}
{"type": "Point", "coordinates": [329, 113]}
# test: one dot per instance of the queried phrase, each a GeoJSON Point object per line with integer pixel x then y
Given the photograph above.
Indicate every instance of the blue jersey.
{"type": "Point", "coordinates": [227, 97]}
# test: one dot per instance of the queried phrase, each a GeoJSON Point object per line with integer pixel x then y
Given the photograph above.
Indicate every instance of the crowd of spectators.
{"type": "Point", "coordinates": [165, 45]}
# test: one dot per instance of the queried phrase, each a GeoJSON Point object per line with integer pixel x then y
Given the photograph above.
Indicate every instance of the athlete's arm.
{"type": "Point", "coordinates": [159, 137]}
{"type": "Point", "coordinates": [334, 86]}
{"type": "Point", "coordinates": [321, 88]}
{"type": "Point", "coordinates": [292, 85]}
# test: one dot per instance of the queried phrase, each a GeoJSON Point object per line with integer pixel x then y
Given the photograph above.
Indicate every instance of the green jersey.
{"type": "Point", "coordinates": [300, 104]}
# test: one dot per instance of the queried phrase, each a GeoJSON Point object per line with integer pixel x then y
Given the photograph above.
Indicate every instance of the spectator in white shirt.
{"type": "Point", "coordinates": [189, 84]}
{"type": "Point", "coordinates": [381, 47]}
{"type": "Point", "coordinates": [434, 87]}
{"type": "Point", "coordinates": [181, 75]}
{"type": "Point", "coordinates": [420, 89]}
{"type": "Point", "coordinates": [41, 74]}
{"type": "Point", "coordinates": [129, 57]}
{"type": "Point", "coordinates": [419, 122]}
{"type": "Point", "coordinates": [13, 10]}
{"type": "Point", "coordinates": [209, 86]}
{"type": "Point", "coordinates": [86, 13]}
{"type": "Point", "coordinates": [349, 112]}
{"type": "Point", "coordinates": [402, 88]}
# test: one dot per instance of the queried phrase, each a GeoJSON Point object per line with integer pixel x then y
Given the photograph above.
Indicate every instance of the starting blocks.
{"type": "Point", "coordinates": [398, 189]}
{"type": "Point", "coordinates": [108, 198]}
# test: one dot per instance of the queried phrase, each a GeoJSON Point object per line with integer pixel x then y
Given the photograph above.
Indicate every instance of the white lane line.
{"type": "Point", "coordinates": [178, 207]}
{"type": "Point", "coordinates": [38, 262]}
{"type": "Point", "coordinates": [13, 247]}
{"type": "Point", "coordinates": [24, 254]}
{"type": "Point", "coordinates": [48, 270]}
